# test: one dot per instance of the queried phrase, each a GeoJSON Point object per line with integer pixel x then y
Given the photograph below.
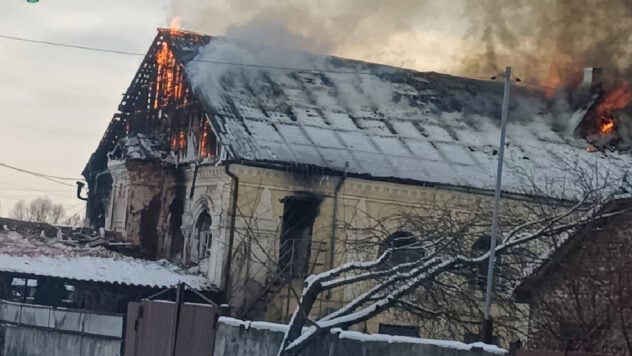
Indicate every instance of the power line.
{"type": "Point", "coordinates": [26, 194]}
{"type": "Point", "coordinates": [36, 173]}
{"type": "Point", "coordinates": [25, 188]}
{"type": "Point", "coordinates": [252, 65]}
{"type": "Point", "coordinates": [57, 44]}
{"type": "Point", "coordinates": [48, 177]}
{"type": "Point", "coordinates": [114, 51]}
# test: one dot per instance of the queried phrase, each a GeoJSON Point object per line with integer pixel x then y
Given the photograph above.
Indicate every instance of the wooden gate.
{"type": "Point", "coordinates": [151, 331]}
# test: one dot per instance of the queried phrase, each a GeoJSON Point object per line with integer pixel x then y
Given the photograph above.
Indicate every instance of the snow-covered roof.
{"type": "Point", "coordinates": [140, 147]}
{"type": "Point", "coordinates": [53, 258]}
{"type": "Point", "coordinates": [296, 108]}
{"type": "Point", "coordinates": [107, 270]}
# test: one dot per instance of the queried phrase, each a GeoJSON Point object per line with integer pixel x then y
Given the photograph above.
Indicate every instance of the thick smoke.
{"type": "Point", "coordinates": [372, 30]}
{"type": "Point", "coordinates": [550, 41]}
{"type": "Point", "coordinates": [546, 41]}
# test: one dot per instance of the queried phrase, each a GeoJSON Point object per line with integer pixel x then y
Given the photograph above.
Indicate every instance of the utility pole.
{"type": "Point", "coordinates": [487, 322]}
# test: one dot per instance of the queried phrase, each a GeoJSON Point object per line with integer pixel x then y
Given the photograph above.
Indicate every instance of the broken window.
{"type": "Point", "coordinates": [296, 233]}
{"type": "Point", "coordinates": [23, 289]}
{"type": "Point", "coordinates": [69, 297]}
{"type": "Point", "coordinates": [208, 141]}
{"type": "Point", "coordinates": [201, 237]}
{"type": "Point", "coordinates": [51, 291]}
{"type": "Point", "coordinates": [406, 248]}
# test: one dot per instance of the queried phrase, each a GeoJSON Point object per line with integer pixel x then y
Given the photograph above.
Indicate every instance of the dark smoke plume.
{"type": "Point", "coordinates": [546, 41]}
{"type": "Point", "coordinates": [550, 40]}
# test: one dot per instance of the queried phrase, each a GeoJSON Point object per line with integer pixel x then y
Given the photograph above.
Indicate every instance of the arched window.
{"type": "Point", "coordinates": [202, 235]}
{"type": "Point", "coordinates": [478, 279]}
{"type": "Point", "coordinates": [407, 248]}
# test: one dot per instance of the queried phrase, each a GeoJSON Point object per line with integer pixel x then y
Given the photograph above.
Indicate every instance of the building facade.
{"type": "Point", "coordinates": [259, 166]}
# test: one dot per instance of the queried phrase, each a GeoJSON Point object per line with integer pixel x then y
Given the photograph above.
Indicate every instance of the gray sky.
{"type": "Point", "coordinates": [56, 102]}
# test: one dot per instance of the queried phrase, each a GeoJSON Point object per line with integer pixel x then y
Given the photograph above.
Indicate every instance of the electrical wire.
{"type": "Point", "coordinates": [48, 177]}
{"type": "Point", "coordinates": [114, 51]}
{"type": "Point", "coordinates": [252, 65]}
{"type": "Point", "coordinates": [57, 44]}
{"type": "Point", "coordinates": [36, 173]}
{"type": "Point", "coordinates": [32, 189]}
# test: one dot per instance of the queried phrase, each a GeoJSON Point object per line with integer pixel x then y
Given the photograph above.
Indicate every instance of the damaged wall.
{"type": "Point", "coordinates": [139, 204]}
{"type": "Point", "coordinates": [156, 199]}
{"type": "Point", "coordinates": [208, 194]}
{"type": "Point", "coordinates": [255, 288]}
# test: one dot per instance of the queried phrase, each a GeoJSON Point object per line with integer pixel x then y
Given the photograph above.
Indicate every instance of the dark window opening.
{"type": "Point", "coordinates": [202, 238]}
{"type": "Point", "coordinates": [69, 298]}
{"type": "Point", "coordinates": [401, 330]}
{"type": "Point", "coordinates": [51, 291]}
{"type": "Point", "coordinates": [299, 214]}
{"type": "Point", "coordinates": [478, 278]}
{"type": "Point", "coordinates": [176, 209]}
{"type": "Point", "coordinates": [407, 248]}
{"type": "Point", "coordinates": [44, 291]}
{"type": "Point", "coordinates": [148, 227]}
{"type": "Point", "coordinates": [23, 290]}
{"type": "Point", "coordinates": [208, 141]}
{"type": "Point", "coordinates": [471, 338]}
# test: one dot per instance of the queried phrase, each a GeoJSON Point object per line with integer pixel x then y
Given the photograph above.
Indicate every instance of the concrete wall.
{"type": "Point", "coordinates": [40, 330]}
{"type": "Point", "coordinates": [239, 338]}
{"type": "Point", "coordinates": [26, 341]}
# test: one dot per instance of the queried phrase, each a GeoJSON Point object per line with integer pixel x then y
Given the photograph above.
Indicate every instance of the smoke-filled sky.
{"type": "Point", "coordinates": [56, 102]}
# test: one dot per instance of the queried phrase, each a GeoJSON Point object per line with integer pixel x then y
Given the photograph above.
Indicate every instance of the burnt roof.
{"type": "Point", "coordinates": [292, 108]}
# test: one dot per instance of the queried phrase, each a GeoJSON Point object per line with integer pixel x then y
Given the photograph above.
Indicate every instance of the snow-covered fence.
{"type": "Point", "coordinates": [30, 329]}
{"type": "Point", "coordinates": [241, 338]}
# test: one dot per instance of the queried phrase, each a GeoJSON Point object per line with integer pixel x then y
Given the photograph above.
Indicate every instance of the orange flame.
{"type": "Point", "coordinates": [607, 127]}
{"type": "Point", "coordinates": [168, 77]}
{"type": "Point", "coordinates": [174, 25]}
{"type": "Point", "coordinates": [562, 72]}
{"type": "Point", "coordinates": [553, 82]}
{"type": "Point", "coordinates": [614, 100]}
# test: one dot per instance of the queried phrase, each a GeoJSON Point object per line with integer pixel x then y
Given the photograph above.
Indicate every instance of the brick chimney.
{"type": "Point", "coordinates": [592, 78]}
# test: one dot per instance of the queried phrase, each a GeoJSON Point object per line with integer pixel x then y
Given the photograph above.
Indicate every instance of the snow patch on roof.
{"type": "Point", "coordinates": [51, 257]}
{"type": "Point", "coordinates": [98, 269]}
{"type": "Point", "coordinates": [293, 107]}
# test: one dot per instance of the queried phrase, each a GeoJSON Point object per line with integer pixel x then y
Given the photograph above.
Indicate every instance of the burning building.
{"type": "Point", "coordinates": [250, 163]}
